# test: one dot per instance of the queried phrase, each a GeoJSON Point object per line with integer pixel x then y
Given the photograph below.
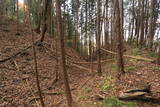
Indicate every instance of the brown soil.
{"type": "Point", "coordinates": [17, 76]}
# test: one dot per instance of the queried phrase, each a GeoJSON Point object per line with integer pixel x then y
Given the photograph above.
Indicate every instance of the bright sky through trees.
{"type": "Point", "coordinates": [21, 1]}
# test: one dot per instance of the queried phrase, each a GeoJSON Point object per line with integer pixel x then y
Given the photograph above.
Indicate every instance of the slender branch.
{"type": "Point", "coordinates": [35, 63]}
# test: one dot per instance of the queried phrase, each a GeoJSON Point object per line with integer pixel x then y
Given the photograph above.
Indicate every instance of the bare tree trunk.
{"type": "Point", "coordinates": [112, 35]}
{"type": "Point", "coordinates": [152, 22]}
{"type": "Point", "coordinates": [146, 21]}
{"type": "Point", "coordinates": [49, 17]}
{"type": "Point", "coordinates": [46, 13]}
{"type": "Point", "coordinates": [17, 19]}
{"type": "Point", "coordinates": [119, 37]}
{"type": "Point", "coordinates": [138, 24]}
{"type": "Point", "coordinates": [63, 59]}
{"type": "Point", "coordinates": [39, 10]}
{"type": "Point", "coordinates": [76, 13]}
{"type": "Point", "coordinates": [106, 31]}
{"type": "Point", "coordinates": [81, 40]}
{"type": "Point", "coordinates": [90, 29]}
{"type": "Point", "coordinates": [99, 37]}
{"type": "Point", "coordinates": [158, 59]}
{"type": "Point", "coordinates": [121, 15]}
{"type": "Point", "coordinates": [86, 24]}
{"type": "Point", "coordinates": [133, 21]}
{"type": "Point", "coordinates": [141, 42]}
{"type": "Point", "coordinates": [129, 28]}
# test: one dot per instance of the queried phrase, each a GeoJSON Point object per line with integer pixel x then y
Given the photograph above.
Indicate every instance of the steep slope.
{"type": "Point", "coordinates": [17, 77]}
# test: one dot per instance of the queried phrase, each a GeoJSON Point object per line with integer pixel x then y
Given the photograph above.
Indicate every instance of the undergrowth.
{"type": "Point", "coordinates": [107, 83]}
{"type": "Point", "coordinates": [156, 69]}
{"type": "Point", "coordinates": [152, 54]}
{"type": "Point", "coordinates": [114, 67]}
{"type": "Point", "coordinates": [113, 102]}
{"type": "Point", "coordinates": [136, 52]}
{"type": "Point", "coordinates": [130, 68]}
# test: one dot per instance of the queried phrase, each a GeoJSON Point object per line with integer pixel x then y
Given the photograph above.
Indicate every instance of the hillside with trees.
{"type": "Point", "coordinates": [79, 53]}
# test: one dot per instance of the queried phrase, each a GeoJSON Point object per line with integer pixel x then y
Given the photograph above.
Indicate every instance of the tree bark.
{"type": "Point", "coordinates": [106, 31]}
{"type": "Point", "coordinates": [17, 18]}
{"type": "Point", "coordinates": [141, 42]}
{"type": "Point", "coordinates": [45, 13]}
{"type": "Point", "coordinates": [39, 10]}
{"type": "Point", "coordinates": [35, 63]}
{"type": "Point", "coordinates": [63, 59]}
{"type": "Point", "coordinates": [152, 22]}
{"type": "Point", "coordinates": [158, 59]}
{"type": "Point", "coordinates": [99, 37]}
{"type": "Point", "coordinates": [133, 21]}
{"type": "Point", "coordinates": [138, 23]}
{"type": "Point", "coordinates": [119, 37]}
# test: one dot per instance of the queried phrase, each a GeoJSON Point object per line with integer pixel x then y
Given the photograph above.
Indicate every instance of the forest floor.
{"type": "Point", "coordinates": [18, 83]}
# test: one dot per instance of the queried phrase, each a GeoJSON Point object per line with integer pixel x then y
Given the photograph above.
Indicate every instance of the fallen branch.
{"type": "Point", "coordinates": [81, 67]}
{"type": "Point", "coordinates": [53, 93]}
{"type": "Point", "coordinates": [129, 56]}
{"type": "Point", "coordinates": [70, 63]}
{"type": "Point", "coordinates": [33, 99]}
{"type": "Point", "coordinates": [95, 62]}
{"type": "Point", "coordinates": [32, 92]}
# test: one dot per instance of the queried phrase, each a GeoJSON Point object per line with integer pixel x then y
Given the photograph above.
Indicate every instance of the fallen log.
{"type": "Point", "coordinates": [129, 56]}
{"type": "Point", "coordinates": [71, 63]}
{"type": "Point", "coordinates": [143, 94]}
{"type": "Point", "coordinates": [81, 67]}
{"type": "Point", "coordinates": [136, 92]}
{"type": "Point", "coordinates": [132, 95]}
{"type": "Point", "coordinates": [141, 97]}
{"type": "Point", "coordinates": [95, 62]}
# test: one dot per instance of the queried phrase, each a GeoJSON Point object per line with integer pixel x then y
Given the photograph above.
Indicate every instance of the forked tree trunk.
{"type": "Point", "coordinates": [46, 13]}
{"type": "Point", "coordinates": [63, 59]}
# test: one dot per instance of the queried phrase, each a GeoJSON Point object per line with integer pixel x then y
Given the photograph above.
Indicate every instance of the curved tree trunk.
{"type": "Point", "coordinates": [45, 16]}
